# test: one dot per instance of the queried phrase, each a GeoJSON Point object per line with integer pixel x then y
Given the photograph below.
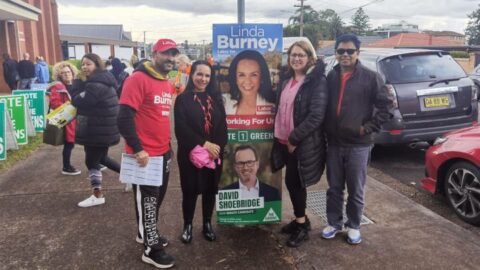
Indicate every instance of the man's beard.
{"type": "Point", "coordinates": [163, 66]}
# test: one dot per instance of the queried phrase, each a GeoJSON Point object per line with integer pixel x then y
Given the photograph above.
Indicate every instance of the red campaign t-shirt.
{"type": "Point", "coordinates": [152, 100]}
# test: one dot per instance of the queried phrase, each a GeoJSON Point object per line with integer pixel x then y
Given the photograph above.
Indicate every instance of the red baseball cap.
{"type": "Point", "coordinates": [164, 44]}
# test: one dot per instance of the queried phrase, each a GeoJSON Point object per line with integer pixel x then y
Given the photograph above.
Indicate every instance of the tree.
{"type": "Point", "coordinates": [360, 22]}
{"type": "Point", "coordinates": [473, 28]}
{"type": "Point", "coordinates": [332, 24]}
{"type": "Point", "coordinates": [318, 25]}
{"type": "Point", "coordinates": [309, 16]}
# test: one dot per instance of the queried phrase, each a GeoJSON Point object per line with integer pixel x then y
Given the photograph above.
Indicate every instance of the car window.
{"type": "Point", "coordinates": [477, 70]}
{"type": "Point", "coordinates": [420, 68]}
{"type": "Point", "coordinates": [369, 61]}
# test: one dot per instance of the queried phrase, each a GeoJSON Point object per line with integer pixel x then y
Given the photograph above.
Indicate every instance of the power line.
{"type": "Point", "coordinates": [364, 5]}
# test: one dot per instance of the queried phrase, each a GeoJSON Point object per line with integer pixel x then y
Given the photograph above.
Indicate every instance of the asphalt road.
{"type": "Point", "coordinates": [402, 168]}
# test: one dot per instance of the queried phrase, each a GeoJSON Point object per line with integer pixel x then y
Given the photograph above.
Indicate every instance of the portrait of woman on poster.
{"type": "Point", "coordinates": [251, 90]}
{"type": "Point", "coordinates": [200, 121]}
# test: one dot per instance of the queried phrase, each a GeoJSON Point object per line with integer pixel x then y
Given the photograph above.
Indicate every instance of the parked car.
{"type": "Point", "coordinates": [431, 92]}
{"type": "Point", "coordinates": [453, 169]}
{"type": "Point", "coordinates": [475, 76]}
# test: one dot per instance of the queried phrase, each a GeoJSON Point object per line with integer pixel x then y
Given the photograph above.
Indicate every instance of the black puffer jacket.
{"type": "Point", "coordinates": [97, 109]}
{"type": "Point", "coordinates": [308, 114]}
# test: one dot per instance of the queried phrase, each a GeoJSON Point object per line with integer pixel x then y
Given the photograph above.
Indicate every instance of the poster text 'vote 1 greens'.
{"type": "Point", "coordinates": [36, 104]}
{"type": "Point", "coordinates": [247, 61]}
{"type": "Point", "coordinates": [16, 106]}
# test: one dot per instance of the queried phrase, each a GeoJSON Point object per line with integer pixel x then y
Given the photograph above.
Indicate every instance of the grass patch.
{"type": "Point", "coordinates": [14, 156]}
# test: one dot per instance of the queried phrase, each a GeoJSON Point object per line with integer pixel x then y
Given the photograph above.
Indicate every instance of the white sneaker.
{"type": "Point", "coordinates": [329, 232]}
{"type": "Point", "coordinates": [91, 201]}
{"type": "Point", "coordinates": [353, 236]}
{"type": "Point", "coordinates": [139, 240]}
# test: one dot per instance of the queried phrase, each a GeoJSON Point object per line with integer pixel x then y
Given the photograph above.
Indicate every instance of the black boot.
{"type": "Point", "coordinates": [208, 231]}
{"type": "Point", "coordinates": [300, 235]}
{"type": "Point", "coordinates": [292, 226]}
{"type": "Point", "coordinates": [186, 236]}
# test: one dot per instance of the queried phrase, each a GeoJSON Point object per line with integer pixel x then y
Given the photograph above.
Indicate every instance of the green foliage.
{"type": "Point", "coordinates": [76, 63]}
{"type": "Point", "coordinates": [473, 28]}
{"type": "Point", "coordinates": [14, 156]}
{"type": "Point", "coordinates": [318, 25]}
{"type": "Point", "coordinates": [50, 71]}
{"type": "Point", "coordinates": [459, 54]}
{"type": "Point", "coordinates": [360, 22]}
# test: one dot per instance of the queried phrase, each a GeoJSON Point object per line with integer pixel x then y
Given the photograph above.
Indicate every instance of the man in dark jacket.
{"type": "Point", "coordinates": [246, 166]}
{"type": "Point", "coordinates": [26, 72]}
{"type": "Point", "coordinates": [144, 122]}
{"type": "Point", "coordinates": [10, 73]}
{"type": "Point", "coordinates": [355, 92]}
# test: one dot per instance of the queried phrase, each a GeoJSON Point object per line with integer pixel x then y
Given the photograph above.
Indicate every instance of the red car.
{"type": "Point", "coordinates": [453, 169]}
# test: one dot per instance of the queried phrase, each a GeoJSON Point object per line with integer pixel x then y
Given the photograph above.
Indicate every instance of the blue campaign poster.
{"type": "Point", "coordinates": [247, 62]}
{"type": "Point", "coordinates": [230, 39]}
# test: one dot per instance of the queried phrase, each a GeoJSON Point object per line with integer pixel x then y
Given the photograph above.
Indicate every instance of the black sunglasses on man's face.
{"type": "Point", "coordinates": [349, 51]}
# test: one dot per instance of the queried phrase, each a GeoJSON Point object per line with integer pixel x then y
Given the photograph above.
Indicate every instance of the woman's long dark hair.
{"type": "Point", "coordinates": [95, 59]}
{"type": "Point", "coordinates": [211, 87]}
{"type": "Point", "coordinates": [99, 65]}
{"type": "Point", "coordinates": [265, 90]}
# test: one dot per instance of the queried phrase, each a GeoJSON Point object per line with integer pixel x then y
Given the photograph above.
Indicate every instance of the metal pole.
{"type": "Point", "coordinates": [241, 11]}
{"type": "Point", "coordinates": [301, 6]}
{"type": "Point", "coordinates": [144, 44]}
{"type": "Point", "coordinates": [301, 18]}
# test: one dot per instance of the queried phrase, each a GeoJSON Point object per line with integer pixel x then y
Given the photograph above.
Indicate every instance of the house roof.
{"type": "Point", "coordinates": [329, 49]}
{"type": "Point", "coordinates": [100, 31]}
{"type": "Point", "coordinates": [443, 33]}
{"type": "Point", "coordinates": [414, 39]}
{"type": "Point", "coordinates": [18, 10]}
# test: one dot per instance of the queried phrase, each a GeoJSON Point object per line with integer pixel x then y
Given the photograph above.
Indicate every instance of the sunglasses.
{"type": "Point", "coordinates": [348, 51]}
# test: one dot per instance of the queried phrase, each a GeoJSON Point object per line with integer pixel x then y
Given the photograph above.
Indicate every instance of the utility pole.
{"type": "Point", "coordinates": [241, 11]}
{"type": "Point", "coordinates": [204, 55]}
{"type": "Point", "coordinates": [145, 44]}
{"type": "Point", "coordinates": [301, 15]}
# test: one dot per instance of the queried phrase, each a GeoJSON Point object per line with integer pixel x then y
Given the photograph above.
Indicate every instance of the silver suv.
{"type": "Point", "coordinates": [431, 92]}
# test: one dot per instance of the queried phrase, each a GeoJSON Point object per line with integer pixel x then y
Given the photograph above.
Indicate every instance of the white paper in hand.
{"type": "Point", "coordinates": [150, 175]}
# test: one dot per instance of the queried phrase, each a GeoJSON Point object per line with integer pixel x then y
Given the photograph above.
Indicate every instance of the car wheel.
{"type": "Point", "coordinates": [462, 189]}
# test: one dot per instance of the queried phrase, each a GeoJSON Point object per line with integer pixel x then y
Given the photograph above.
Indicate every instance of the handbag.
{"type": "Point", "coordinates": [53, 135]}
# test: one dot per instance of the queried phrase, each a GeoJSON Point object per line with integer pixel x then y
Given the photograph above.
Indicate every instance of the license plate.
{"type": "Point", "coordinates": [437, 101]}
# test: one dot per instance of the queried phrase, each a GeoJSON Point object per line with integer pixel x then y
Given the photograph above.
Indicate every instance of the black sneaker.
{"type": "Point", "coordinates": [158, 258]}
{"type": "Point", "coordinates": [300, 235]}
{"type": "Point", "coordinates": [292, 226]}
{"type": "Point", "coordinates": [71, 171]}
{"type": "Point", "coordinates": [163, 240]}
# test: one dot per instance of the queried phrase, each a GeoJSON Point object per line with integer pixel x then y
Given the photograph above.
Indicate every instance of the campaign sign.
{"type": "Point", "coordinates": [3, 131]}
{"type": "Point", "coordinates": [16, 106]}
{"type": "Point", "coordinates": [36, 104]}
{"type": "Point", "coordinates": [247, 60]}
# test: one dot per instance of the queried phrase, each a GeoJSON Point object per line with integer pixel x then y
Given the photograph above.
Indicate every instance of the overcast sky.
{"type": "Point", "coordinates": [192, 20]}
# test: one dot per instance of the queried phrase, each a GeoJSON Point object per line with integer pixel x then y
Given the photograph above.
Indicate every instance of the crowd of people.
{"type": "Point", "coordinates": [321, 122]}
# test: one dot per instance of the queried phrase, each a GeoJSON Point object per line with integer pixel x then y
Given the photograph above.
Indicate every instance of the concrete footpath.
{"type": "Point", "coordinates": [41, 227]}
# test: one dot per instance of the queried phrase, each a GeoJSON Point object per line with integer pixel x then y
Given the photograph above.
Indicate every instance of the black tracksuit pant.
{"type": "Point", "coordinates": [148, 200]}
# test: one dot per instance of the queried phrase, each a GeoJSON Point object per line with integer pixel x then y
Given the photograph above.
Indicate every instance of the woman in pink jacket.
{"type": "Point", "coordinates": [59, 92]}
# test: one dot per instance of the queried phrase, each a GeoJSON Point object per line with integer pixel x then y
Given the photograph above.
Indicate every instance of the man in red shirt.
{"type": "Point", "coordinates": [358, 106]}
{"type": "Point", "coordinates": [144, 122]}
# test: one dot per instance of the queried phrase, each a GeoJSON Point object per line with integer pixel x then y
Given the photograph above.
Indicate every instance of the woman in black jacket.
{"type": "Point", "coordinates": [299, 141]}
{"type": "Point", "coordinates": [199, 121]}
{"type": "Point", "coordinates": [97, 108]}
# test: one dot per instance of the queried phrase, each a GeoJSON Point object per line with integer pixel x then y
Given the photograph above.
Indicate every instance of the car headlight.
{"type": "Point", "coordinates": [475, 92]}
{"type": "Point", "coordinates": [439, 140]}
